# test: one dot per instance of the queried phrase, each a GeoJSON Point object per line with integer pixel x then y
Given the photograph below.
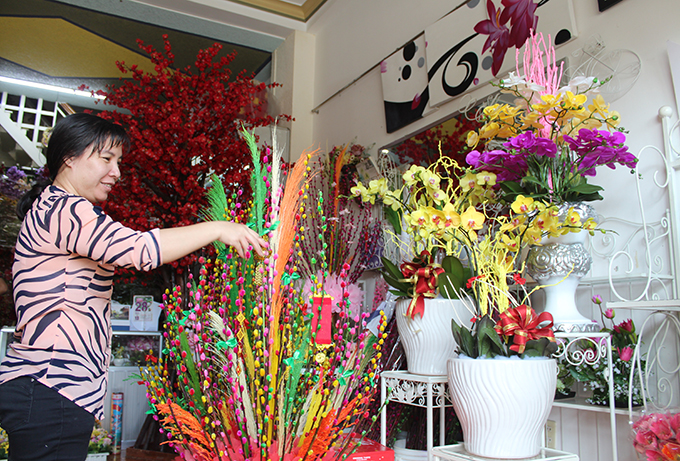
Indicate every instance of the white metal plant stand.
{"type": "Point", "coordinates": [589, 349]}
{"type": "Point", "coordinates": [417, 390]}
{"type": "Point", "coordinates": [458, 453]}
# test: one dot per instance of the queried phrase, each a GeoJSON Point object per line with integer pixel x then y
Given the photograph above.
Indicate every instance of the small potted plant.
{"type": "Point", "coordinates": [100, 443]}
{"type": "Point", "coordinates": [120, 356]}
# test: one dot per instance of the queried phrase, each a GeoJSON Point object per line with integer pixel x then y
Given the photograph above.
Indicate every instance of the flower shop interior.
{"type": "Point", "coordinates": [360, 102]}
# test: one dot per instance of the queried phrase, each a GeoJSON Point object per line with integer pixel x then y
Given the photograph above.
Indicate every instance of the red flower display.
{"type": "Point", "coordinates": [183, 124]}
{"type": "Point", "coordinates": [423, 148]}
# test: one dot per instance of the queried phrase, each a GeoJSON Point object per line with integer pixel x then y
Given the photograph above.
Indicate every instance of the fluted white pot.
{"type": "Point", "coordinates": [427, 340]}
{"type": "Point", "coordinates": [502, 404]}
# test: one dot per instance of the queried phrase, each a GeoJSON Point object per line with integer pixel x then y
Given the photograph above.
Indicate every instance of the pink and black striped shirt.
{"type": "Point", "coordinates": [64, 262]}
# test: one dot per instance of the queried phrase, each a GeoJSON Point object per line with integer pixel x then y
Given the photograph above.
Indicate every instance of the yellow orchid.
{"type": "Point", "coordinates": [412, 174]}
{"type": "Point", "coordinates": [391, 199]}
{"type": "Point", "coordinates": [469, 181]}
{"type": "Point", "coordinates": [378, 186]}
{"type": "Point", "coordinates": [451, 217]}
{"type": "Point", "coordinates": [472, 139]}
{"type": "Point", "coordinates": [523, 205]}
{"type": "Point", "coordinates": [546, 221]}
{"type": "Point", "coordinates": [512, 243]}
{"type": "Point", "coordinates": [486, 178]}
{"type": "Point", "coordinates": [513, 223]}
{"type": "Point", "coordinates": [471, 219]}
{"type": "Point", "coordinates": [430, 179]}
{"type": "Point", "coordinates": [360, 191]}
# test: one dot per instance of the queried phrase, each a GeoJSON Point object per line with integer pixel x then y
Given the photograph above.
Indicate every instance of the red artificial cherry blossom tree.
{"type": "Point", "coordinates": [183, 124]}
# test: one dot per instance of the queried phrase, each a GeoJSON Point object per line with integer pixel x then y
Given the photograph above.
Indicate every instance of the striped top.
{"type": "Point", "coordinates": [64, 262]}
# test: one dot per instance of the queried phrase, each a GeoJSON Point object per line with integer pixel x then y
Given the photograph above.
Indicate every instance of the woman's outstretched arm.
{"type": "Point", "coordinates": [177, 242]}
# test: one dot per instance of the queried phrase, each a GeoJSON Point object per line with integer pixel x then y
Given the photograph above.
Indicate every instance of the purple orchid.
{"type": "Point", "coordinates": [506, 166]}
{"type": "Point", "coordinates": [598, 147]}
{"type": "Point", "coordinates": [527, 142]}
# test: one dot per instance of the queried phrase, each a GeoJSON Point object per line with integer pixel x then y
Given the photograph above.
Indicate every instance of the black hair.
{"type": "Point", "coordinates": [70, 138]}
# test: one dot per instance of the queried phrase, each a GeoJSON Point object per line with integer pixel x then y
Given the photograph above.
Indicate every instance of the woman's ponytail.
{"type": "Point", "coordinates": [26, 201]}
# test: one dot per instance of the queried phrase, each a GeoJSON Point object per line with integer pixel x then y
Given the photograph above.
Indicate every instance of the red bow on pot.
{"type": "Point", "coordinates": [523, 324]}
{"type": "Point", "coordinates": [422, 273]}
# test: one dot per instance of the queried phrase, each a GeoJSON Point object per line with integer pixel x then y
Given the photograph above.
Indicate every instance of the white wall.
{"type": "Point", "coordinates": [353, 36]}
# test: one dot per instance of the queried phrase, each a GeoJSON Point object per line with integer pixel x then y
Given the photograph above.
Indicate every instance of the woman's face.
{"type": "Point", "coordinates": [93, 174]}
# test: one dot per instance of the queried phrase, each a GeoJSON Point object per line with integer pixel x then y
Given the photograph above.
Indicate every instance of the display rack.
{"type": "Point", "coordinates": [418, 390]}
{"type": "Point", "coordinates": [457, 453]}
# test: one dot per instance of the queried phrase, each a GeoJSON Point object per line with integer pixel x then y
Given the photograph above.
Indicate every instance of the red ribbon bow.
{"type": "Point", "coordinates": [523, 325]}
{"type": "Point", "coordinates": [423, 275]}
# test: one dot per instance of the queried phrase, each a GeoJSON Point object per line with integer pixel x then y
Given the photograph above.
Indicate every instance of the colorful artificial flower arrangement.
{"type": "Point", "coordinates": [253, 368]}
{"type": "Point", "coordinates": [100, 440]}
{"type": "Point", "coordinates": [553, 138]}
{"type": "Point", "coordinates": [657, 436]}
{"type": "Point", "coordinates": [624, 339]}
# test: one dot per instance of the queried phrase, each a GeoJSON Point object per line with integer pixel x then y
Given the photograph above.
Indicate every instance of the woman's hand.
{"type": "Point", "coordinates": [240, 237]}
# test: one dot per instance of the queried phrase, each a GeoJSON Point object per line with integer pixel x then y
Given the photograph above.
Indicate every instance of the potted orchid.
{"type": "Point", "coordinates": [460, 244]}
{"type": "Point", "coordinates": [553, 138]}
{"type": "Point", "coordinates": [546, 146]}
{"type": "Point", "coordinates": [509, 344]}
{"type": "Point", "coordinates": [595, 377]}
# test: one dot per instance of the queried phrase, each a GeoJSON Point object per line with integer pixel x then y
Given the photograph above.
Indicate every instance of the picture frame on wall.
{"type": "Point", "coordinates": [120, 316]}
{"type": "Point", "coordinates": [604, 4]}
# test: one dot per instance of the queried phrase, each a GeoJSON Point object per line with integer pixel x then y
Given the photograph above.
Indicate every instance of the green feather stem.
{"type": "Point", "coordinates": [194, 381]}
{"type": "Point", "coordinates": [256, 182]}
{"type": "Point", "coordinates": [217, 210]}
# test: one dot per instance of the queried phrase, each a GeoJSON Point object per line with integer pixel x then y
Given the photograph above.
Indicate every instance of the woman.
{"type": "Point", "coordinates": [53, 380]}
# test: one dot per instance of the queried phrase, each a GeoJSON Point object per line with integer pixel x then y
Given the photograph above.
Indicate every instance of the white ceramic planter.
{"type": "Point", "coordinates": [502, 405]}
{"type": "Point", "coordinates": [559, 263]}
{"type": "Point", "coordinates": [427, 340]}
{"type": "Point", "coordinates": [96, 457]}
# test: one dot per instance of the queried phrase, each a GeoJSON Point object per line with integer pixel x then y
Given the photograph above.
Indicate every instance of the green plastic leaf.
{"type": "Point", "coordinates": [488, 342]}
{"type": "Point", "coordinates": [463, 337]}
{"type": "Point", "coordinates": [448, 285]}
{"type": "Point", "coordinates": [511, 187]}
{"type": "Point", "coordinates": [394, 218]}
{"type": "Point", "coordinates": [587, 188]}
{"type": "Point", "coordinates": [391, 268]}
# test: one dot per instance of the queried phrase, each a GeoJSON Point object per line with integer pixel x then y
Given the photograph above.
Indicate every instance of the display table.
{"type": "Point", "coordinates": [457, 453]}
{"type": "Point", "coordinates": [417, 390]}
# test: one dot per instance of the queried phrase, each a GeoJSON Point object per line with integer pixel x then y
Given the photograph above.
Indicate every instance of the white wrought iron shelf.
{"type": "Point", "coordinates": [579, 403]}
{"type": "Point", "coordinates": [670, 305]}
